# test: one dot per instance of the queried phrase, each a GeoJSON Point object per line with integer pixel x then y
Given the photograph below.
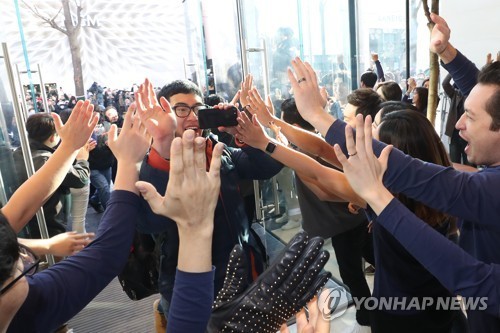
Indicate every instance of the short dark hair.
{"type": "Point", "coordinates": [391, 91]}
{"type": "Point", "coordinates": [490, 75]}
{"type": "Point", "coordinates": [9, 249]}
{"type": "Point", "coordinates": [40, 126]}
{"type": "Point", "coordinates": [366, 100]}
{"type": "Point", "coordinates": [214, 99]}
{"type": "Point", "coordinates": [369, 78]}
{"type": "Point", "coordinates": [292, 116]}
{"type": "Point", "coordinates": [391, 106]}
{"type": "Point", "coordinates": [179, 87]}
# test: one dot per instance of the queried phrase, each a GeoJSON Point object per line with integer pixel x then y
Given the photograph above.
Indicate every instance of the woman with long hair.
{"type": "Point", "coordinates": [398, 274]}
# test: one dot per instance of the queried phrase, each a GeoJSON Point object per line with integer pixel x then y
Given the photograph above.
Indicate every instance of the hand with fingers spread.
{"type": "Point", "coordinates": [132, 143]}
{"type": "Point", "coordinates": [282, 290]}
{"type": "Point", "coordinates": [246, 86]}
{"type": "Point", "coordinates": [80, 125]}
{"type": "Point", "coordinates": [260, 108]}
{"type": "Point", "coordinates": [158, 118]}
{"type": "Point", "coordinates": [307, 94]}
{"type": "Point", "coordinates": [251, 131]}
{"type": "Point", "coordinates": [192, 192]}
{"type": "Point", "coordinates": [277, 134]}
{"type": "Point", "coordinates": [362, 168]}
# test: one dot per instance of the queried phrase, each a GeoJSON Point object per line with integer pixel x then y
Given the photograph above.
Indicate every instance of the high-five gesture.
{"type": "Point", "coordinates": [80, 125]}
{"type": "Point", "coordinates": [256, 105]}
{"type": "Point", "coordinates": [158, 118]}
{"type": "Point", "coordinates": [190, 198]}
{"type": "Point", "coordinates": [246, 85]}
{"type": "Point", "coordinates": [362, 168]}
{"type": "Point", "coordinates": [74, 135]}
{"type": "Point", "coordinates": [308, 97]}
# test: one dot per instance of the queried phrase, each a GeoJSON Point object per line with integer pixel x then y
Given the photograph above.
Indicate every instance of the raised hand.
{"type": "Point", "coordinates": [251, 132]}
{"type": "Point", "coordinates": [281, 291]}
{"type": "Point", "coordinates": [307, 94]}
{"type": "Point", "coordinates": [440, 35]}
{"type": "Point", "coordinates": [440, 39]}
{"type": "Point", "coordinates": [246, 85]}
{"type": "Point", "coordinates": [489, 58]}
{"type": "Point", "coordinates": [256, 105]}
{"type": "Point", "coordinates": [80, 125]}
{"type": "Point", "coordinates": [132, 143]}
{"type": "Point", "coordinates": [278, 135]}
{"type": "Point", "coordinates": [362, 168]}
{"type": "Point", "coordinates": [192, 192]}
{"type": "Point", "coordinates": [158, 118]}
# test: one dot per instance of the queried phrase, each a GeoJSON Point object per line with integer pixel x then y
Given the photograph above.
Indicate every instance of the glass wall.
{"type": "Point", "coordinates": [274, 32]}
{"type": "Point", "coordinates": [9, 136]}
{"type": "Point", "coordinates": [382, 30]}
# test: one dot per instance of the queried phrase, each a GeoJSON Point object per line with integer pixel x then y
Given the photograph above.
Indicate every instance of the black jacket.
{"type": "Point", "coordinates": [231, 225]}
{"type": "Point", "coordinates": [77, 177]}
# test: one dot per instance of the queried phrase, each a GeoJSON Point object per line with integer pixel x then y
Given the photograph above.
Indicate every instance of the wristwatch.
{"type": "Point", "coordinates": [271, 146]}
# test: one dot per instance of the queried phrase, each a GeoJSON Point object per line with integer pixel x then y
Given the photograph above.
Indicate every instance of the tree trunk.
{"type": "Point", "coordinates": [434, 73]}
{"type": "Point", "coordinates": [76, 58]}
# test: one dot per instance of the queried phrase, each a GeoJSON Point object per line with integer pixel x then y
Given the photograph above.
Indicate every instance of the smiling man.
{"type": "Point", "coordinates": [180, 102]}
{"type": "Point", "coordinates": [472, 197]}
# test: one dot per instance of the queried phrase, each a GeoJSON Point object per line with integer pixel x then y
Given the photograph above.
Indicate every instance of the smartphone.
{"type": "Point", "coordinates": [213, 118]}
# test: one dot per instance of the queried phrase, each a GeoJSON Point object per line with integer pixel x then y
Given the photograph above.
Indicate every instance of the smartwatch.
{"type": "Point", "coordinates": [271, 146]}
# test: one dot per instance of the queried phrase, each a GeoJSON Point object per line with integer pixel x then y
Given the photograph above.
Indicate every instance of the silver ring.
{"type": "Point", "coordinates": [351, 155]}
{"type": "Point", "coordinates": [301, 80]}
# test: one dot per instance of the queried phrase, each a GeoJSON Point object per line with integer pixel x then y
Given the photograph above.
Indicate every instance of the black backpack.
{"type": "Point", "coordinates": [139, 278]}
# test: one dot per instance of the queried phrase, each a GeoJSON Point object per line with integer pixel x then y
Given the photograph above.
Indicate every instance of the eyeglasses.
{"type": "Point", "coordinates": [30, 263]}
{"type": "Point", "coordinates": [183, 110]}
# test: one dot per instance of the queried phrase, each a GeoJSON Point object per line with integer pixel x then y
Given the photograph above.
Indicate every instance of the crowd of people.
{"type": "Point", "coordinates": [378, 182]}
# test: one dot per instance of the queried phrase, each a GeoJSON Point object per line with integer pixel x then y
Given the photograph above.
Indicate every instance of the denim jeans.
{"type": "Point", "coordinates": [101, 180]}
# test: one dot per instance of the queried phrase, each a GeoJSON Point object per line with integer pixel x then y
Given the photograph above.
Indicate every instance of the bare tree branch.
{"type": "Point", "coordinates": [49, 21]}
{"type": "Point", "coordinates": [427, 11]}
{"type": "Point", "coordinates": [54, 17]}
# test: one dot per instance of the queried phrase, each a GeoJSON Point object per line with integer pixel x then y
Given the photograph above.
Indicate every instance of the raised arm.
{"type": "Point", "coordinates": [378, 65]}
{"type": "Point", "coordinates": [453, 267]}
{"type": "Point", "coordinates": [463, 71]}
{"type": "Point", "coordinates": [32, 194]}
{"type": "Point", "coordinates": [305, 140]}
{"type": "Point", "coordinates": [307, 96]}
{"type": "Point", "coordinates": [190, 201]}
{"type": "Point", "coordinates": [251, 132]}
{"type": "Point", "coordinates": [158, 118]}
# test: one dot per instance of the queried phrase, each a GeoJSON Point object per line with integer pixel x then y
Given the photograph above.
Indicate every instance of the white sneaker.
{"type": "Point", "coordinates": [292, 224]}
{"type": "Point", "coordinates": [282, 219]}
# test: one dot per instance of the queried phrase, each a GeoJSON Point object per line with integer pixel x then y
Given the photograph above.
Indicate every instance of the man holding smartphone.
{"type": "Point", "coordinates": [166, 116]}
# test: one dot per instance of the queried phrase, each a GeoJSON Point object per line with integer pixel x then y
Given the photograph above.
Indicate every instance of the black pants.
{"type": "Point", "coordinates": [350, 247]}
